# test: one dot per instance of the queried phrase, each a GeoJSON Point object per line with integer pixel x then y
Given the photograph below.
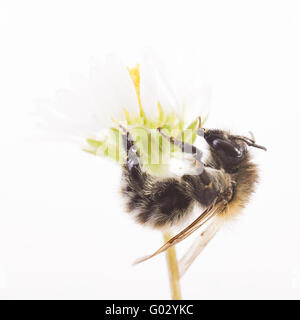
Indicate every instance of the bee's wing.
{"type": "Point", "coordinates": [196, 224]}
{"type": "Point", "coordinates": [199, 244]}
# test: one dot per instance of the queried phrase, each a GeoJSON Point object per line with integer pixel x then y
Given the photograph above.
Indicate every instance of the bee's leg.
{"type": "Point", "coordinates": [134, 176]}
{"type": "Point", "coordinates": [132, 160]}
{"type": "Point", "coordinates": [208, 186]}
{"type": "Point", "coordinates": [184, 147]}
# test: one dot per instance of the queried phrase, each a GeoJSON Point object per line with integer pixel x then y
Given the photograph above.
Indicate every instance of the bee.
{"type": "Point", "coordinates": [222, 187]}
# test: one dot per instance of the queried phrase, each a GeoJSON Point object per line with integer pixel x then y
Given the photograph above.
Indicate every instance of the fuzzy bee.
{"type": "Point", "coordinates": [222, 186]}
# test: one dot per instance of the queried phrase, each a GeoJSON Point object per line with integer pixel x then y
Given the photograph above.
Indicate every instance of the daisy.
{"type": "Point", "coordinates": [142, 96]}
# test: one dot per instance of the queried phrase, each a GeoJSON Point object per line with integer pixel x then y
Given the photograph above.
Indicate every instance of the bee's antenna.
{"type": "Point", "coordinates": [251, 143]}
{"type": "Point", "coordinates": [252, 137]}
{"type": "Point", "coordinates": [257, 146]}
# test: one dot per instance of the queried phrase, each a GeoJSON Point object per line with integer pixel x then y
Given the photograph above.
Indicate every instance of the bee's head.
{"type": "Point", "coordinates": [230, 150]}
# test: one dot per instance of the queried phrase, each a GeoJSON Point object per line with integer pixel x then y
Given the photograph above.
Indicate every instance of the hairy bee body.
{"type": "Point", "coordinates": [228, 175]}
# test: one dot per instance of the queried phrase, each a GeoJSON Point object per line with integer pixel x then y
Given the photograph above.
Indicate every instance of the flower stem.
{"type": "Point", "coordinates": [172, 269]}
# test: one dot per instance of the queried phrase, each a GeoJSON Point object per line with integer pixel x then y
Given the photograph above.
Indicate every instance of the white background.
{"type": "Point", "coordinates": [63, 232]}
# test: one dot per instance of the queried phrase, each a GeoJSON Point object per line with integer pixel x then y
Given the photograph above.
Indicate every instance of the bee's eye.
{"type": "Point", "coordinates": [227, 147]}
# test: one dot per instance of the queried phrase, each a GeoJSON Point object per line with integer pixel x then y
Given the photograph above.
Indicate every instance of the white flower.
{"type": "Point", "coordinates": [145, 97]}
{"type": "Point", "coordinates": [93, 100]}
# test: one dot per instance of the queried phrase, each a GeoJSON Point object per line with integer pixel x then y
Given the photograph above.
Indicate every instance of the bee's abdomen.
{"type": "Point", "coordinates": [159, 203]}
{"type": "Point", "coordinates": [171, 197]}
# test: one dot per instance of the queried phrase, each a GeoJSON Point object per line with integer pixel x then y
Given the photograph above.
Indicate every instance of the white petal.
{"type": "Point", "coordinates": [197, 103]}
{"type": "Point", "coordinates": [92, 101]}
{"type": "Point", "coordinates": [154, 88]}
{"type": "Point", "coordinates": [112, 88]}
{"type": "Point", "coordinates": [183, 86]}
